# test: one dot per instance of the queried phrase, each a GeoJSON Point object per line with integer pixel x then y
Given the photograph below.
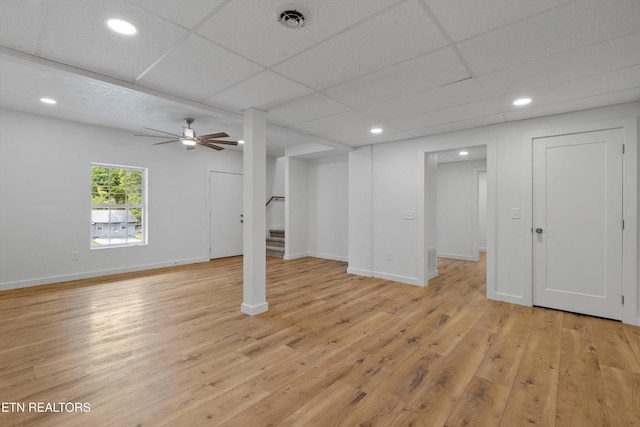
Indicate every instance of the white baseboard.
{"type": "Point", "coordinates": [253, 310]}
{"type": "Point", "coordinates": [97, 273]}
{"type": "Point", "coordinates": [395, 278]}
{"type": "Point", "coordinates": [359, 272]}
{"type": "Point", "coordinates": [455, 256]}
{"type": "Point", "coordinates": [328, 256]}
{"type": "Point", "coordinates": [432, 274]}
{"type": "Point", "coordinates": [288, 257]}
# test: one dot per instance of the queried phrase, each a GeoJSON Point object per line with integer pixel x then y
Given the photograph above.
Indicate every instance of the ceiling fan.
{"type": "Point", "coordinates": [189, 138]}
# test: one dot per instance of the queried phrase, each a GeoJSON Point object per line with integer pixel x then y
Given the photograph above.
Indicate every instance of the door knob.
{"type": "Point", "coordinates": [539, 230]}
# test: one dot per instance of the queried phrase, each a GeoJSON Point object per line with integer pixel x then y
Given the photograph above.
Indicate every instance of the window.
{"type": "Point", "coordinates": [118, 206]}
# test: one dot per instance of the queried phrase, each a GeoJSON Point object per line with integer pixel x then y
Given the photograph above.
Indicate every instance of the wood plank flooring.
{"type": "Point", "coordinates": [170, 347]}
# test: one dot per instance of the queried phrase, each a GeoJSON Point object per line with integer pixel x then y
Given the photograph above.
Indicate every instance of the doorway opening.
{"type": "Point", "coordinates": [455, 207]}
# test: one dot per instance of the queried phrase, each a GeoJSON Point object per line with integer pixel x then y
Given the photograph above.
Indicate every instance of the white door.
{"type": "Point", "coordinates": [225, 214]}
{"type": "Point", "coordinates": [577, 223]}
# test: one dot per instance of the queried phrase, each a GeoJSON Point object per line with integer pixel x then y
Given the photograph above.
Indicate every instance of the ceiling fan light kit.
{"type": "Point", "coordinates": [189, 138]}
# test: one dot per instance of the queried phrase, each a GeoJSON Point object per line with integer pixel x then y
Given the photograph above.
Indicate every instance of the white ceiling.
{"type": "Point", "coordinates": [411, 67]}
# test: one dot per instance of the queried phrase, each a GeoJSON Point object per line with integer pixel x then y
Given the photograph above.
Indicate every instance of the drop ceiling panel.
{"type": "Point", "coordinates": [632, 95]}
{"type": "Point", "coordinates": [198, 69]}
{"type": "Point", "coordinates": [75, 33]}
{"type": "Point", "coordinates": [415, 75]}
{"type": "Point", "coordinates": [444, 116]}
{"type": "Point", "coordinates": [261, 91]}
{"type": "Point", "coordinates": [612, 82]}
{"type": "Point", "coordinates": [459, 125]}
{"type": "Point", "coordinates": [398, 34]}
{"type": "Point", "coordinates": [335, 123]}
{"type": "Point", "coordinates": [304, 109]}
{"type": "Point", "coordinates": [462, 92]}
{"type": "Point", "coordinates": [244, 26]}
{"type": "Point", "coordinates": [184, 12]}
{"type": "Point", "coordinates": [568, 27]}
{"type": "Point", "coordinates": [21, 22]}
{"type": "Point", "coordinates": [465, 18]}
{"type": "Point", "coordinates": [594, 59]}
{"type": "Point", "coordinates": [361, 135]}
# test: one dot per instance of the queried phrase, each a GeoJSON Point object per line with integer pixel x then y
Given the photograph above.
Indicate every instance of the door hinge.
{"type": "Point", "coordinates": [623, 224]}
{"type": "Point", "coordinates": [623, 148]}
{"type": "Point", "coordinates": [622, 299]}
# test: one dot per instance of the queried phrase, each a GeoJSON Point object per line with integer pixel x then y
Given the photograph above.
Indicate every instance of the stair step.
{"type": "Point", "coordinates": [276, 232]}
{"type": "Point", "coordinates": [277, 242]}
{"type": "Point", "coordinates": [275, 251]}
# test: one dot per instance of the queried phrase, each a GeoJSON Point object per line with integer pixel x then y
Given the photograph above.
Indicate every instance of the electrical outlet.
{"type": "Point", "coordinates": [409, 215]}
{"type": "Point", "coordinates": [75, 255]}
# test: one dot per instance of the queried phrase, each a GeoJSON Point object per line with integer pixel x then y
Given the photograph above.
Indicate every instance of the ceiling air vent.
{"type": "Point", "coordinates": [291, 15]}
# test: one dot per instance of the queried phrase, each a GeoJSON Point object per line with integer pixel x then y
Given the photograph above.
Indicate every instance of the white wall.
{"type": "Point", "coordinates": [328, 199]}
{"type": "Point", "coordinates": [360, 212]}
{"type": "Point", "coordinates": [296, 208]}
{"type": "Point", "coordinates": [45, 179]}
{"type": "Point", "coordinates": [457, 192]}
{"type": "Point", "coordinates": [275, 187]}
{"type": "Point", "coordinates": [393, 173]}
{"type": "Point", "coordinates": [482, 211]}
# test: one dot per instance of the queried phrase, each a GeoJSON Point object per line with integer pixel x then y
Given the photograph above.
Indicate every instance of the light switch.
{"type": "Point", "coordinates": [409, 215]}
{"type": "Point", "coordinates": [515, 213]}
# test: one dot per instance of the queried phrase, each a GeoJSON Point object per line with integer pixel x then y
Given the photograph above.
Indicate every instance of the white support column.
{"type": "Point", "coordinates": [255, 177]}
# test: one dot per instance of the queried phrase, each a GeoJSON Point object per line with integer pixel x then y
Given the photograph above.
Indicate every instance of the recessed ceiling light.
{"type": "Point", "coordinates": [522, 101]}
{"type": "Point", "coordinates": [376, 130]}
{"type": "Point", "coordinates": [241, 141]}
{"type": "Point", "coordinates": [122, 27]}
{"type": "Point", "coordinates": [48, 101]}
{"type": "Point", "coordinates": [463, 153]}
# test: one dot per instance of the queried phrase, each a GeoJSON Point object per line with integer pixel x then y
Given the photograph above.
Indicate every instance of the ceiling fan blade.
{"type": "Point", "coordinates": [161, 131]}
{"type": "Point", "coordinates": [215, 135]}
{"type": "Point", "coordinates": [210, 145]}
{"type": "Point", "coordinates": [217, 141]}
{"type": "Point", "coordinates": [165, 142]}
{"type": "Point", "coordinates": [153, 136]}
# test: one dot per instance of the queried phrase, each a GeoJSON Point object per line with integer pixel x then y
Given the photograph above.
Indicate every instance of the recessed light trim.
{"type": "Point", "coordinates": [376, 131]}
{"type": "Point", "coordinates": [522, 101]}
{"type": "Point", "coordinates": [122, 27]}
{"type": "Point", "coordinates": [49, 101]}
{"type": "Point", "coordinates": [463, 153]}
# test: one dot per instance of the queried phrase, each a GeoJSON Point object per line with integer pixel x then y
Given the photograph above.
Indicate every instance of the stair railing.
{"type": "Point", "coordinates": [274, 198]}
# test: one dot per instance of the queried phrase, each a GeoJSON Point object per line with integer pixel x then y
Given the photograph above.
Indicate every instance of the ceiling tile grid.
{"type": "Point", "coordinates": [398, 34]}
{"type": "Point", "coordinates": [261, 91]}
{"type": "Point", "coordinates": [249, 28]}
{"type": "Point", "coordinates": [562, 29]}
{"type": "Point", "coordinates": [404, 78]}
{"type": "Point", "coordinates": [14, 14]}
{"type": "Point", "coordinates": [412, 67]}
{"type": "Point", "coordinates": [198, 69]}
{"type": "Point", "coordinates": [75, 33]}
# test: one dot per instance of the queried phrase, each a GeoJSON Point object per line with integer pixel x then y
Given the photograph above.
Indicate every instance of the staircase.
{"type": "Point", "coordinates": [275, 243]}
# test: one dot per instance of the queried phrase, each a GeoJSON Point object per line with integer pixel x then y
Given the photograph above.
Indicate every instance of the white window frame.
{"type": "Point", "coordinates": [143, 206]}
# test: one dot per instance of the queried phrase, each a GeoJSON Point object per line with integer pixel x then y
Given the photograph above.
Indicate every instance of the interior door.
{"type": "Point", "coordinates": [225, 214]}
{"type": "Point", "coordinates": [577, 223]}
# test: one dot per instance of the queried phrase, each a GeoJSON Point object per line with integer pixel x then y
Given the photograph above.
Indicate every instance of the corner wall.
{"type": "Point", "coordinates": [45, 202]}
{"type": "Point", "coordinates": [394, 173]}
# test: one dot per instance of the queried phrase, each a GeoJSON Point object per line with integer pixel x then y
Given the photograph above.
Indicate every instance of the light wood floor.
{"type": "Point", "coordinates": [170, 347]}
